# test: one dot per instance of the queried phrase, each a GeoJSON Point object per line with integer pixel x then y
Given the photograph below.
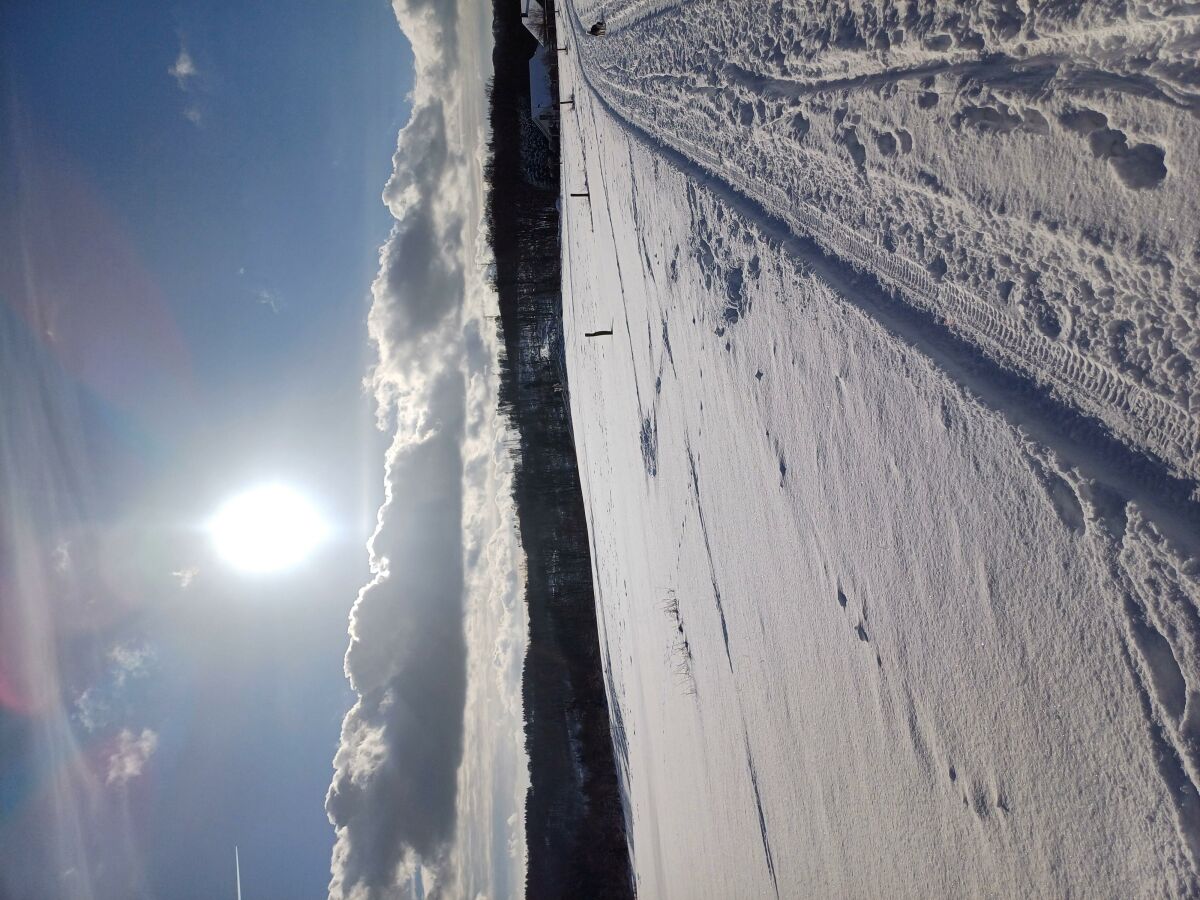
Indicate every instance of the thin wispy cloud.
{"type": "Point", "coordinates": [130, 755]}
{"type": "Point", "coordinates": [183, 70]}
{"type": "Point", "coordinates": [185, 577]}
{"type": "Point", "coordinates": [187, 76]}
{"type": "Point", "coordinates": [270, 299]}
{"type": "Point", "coordinates": [129, 661]}
{"type": "Point", "coordinates": [91, 710]}
{"type": "Point", "coordinates": [62, 557]}
{"type": "Point", "coordinates": [106, 702]}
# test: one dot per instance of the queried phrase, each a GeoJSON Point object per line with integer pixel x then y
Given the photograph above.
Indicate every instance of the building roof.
{"type": "Point", "coordinates": [533, 16]}
{"type": "Point", "coordinates": [541, 96]}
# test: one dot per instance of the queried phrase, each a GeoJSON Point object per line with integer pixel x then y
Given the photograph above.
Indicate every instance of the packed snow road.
{"type": "Point", "coordinates": [887, 459]}
{"type": "Point", "coordinates": [1029, 178]}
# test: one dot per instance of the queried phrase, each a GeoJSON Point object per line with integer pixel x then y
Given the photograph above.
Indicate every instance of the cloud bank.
{"type": "Point", "coordinates": [437, 635]}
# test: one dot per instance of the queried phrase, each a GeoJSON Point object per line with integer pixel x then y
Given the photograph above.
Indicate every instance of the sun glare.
{"type": "Point", "coordinates": [267, 529]}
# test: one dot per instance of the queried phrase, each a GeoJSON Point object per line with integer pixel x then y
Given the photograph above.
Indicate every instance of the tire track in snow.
{"type": "Point", "coordinates": [950, 209]}
{"type": "Point", "coordinates": [1027, 74]}
{"type": "Point", "coordinates": [649, 426]}
{"type": "Point", "coordinates": [646, 426]}
{"type": "Point", "coordinates": [1159, 37]}
{"type": "Point", "coordinates": [751, 770]}
{"type": "Point", "coordinates": [1030, 70]}
{"type": "Point", "coordinates": [1142, 417]}
{"type": "Point", "coordinates": [712, 566]}
{"type": "Point", "coordinates": [1010, 389]}
{"type": "Point", "coordinates": [762, 819]}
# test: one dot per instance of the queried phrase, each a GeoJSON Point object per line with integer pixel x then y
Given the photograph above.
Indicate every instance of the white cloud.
{"type": "Point", "coordinates": [90, 710]}
{"type": "Point", "coordinates": [106, 701]}
{"type": "Point", "coordinates": [183, 69]}
{"type": "Point", "coordinates": [129, 661]}
{"type": "Point", "coordinates": [185, 576]}
{"type": "Point", "coordinates": [186, 75]}
{"type": "Point", "coordinates": [130, 756]}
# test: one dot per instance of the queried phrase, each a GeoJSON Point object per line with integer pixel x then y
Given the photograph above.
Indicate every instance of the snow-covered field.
{"type": "Point", "coordinates": [892, 601]}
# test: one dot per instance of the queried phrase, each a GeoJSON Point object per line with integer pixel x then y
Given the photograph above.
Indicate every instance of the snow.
{"type": "Point", "coordinates": [891, 600]}
{"type": "Point", "coordinates": [1083, 272]}
{"type": "Point", "coordinates": [534, 17]}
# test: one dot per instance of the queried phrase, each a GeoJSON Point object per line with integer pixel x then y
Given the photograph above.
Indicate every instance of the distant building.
{"type": "Point", "coordinates": [541, 95]}
{"type": "Point", "coordinates": [533, 16]}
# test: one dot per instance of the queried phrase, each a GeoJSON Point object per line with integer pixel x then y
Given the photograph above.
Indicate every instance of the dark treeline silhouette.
{"type": "Point", "coordinates": [574, 824]}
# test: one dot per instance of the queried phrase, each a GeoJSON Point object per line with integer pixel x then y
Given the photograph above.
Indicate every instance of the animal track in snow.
{"type": "Point", "coordinates": [894, 143]}
{"type": "Point", "coordinates": [860, 627]}
{"type": "Point", "coordinates": [1000, 119]}
{"type": "Point", "coordinates": [849, 139]}
{"type": "Point", "coordinates": [1138, 167]}
{"type": "Point", "coordinates": [987, 119]}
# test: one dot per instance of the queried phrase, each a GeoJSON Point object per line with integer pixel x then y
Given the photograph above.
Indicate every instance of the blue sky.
{"type": "Point", "coordinates": [189, 262]}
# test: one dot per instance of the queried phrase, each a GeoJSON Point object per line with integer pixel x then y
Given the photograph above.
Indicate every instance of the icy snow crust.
{"type": "Point", "coordinates": [885, 610]}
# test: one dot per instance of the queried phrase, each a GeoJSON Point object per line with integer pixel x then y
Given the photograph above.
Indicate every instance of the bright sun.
{"type": "Point", "coordinates": [267, 529]}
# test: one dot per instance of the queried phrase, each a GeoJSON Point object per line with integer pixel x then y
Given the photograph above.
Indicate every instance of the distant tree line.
{"type": "Point", "coordinates": [574, 823]}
